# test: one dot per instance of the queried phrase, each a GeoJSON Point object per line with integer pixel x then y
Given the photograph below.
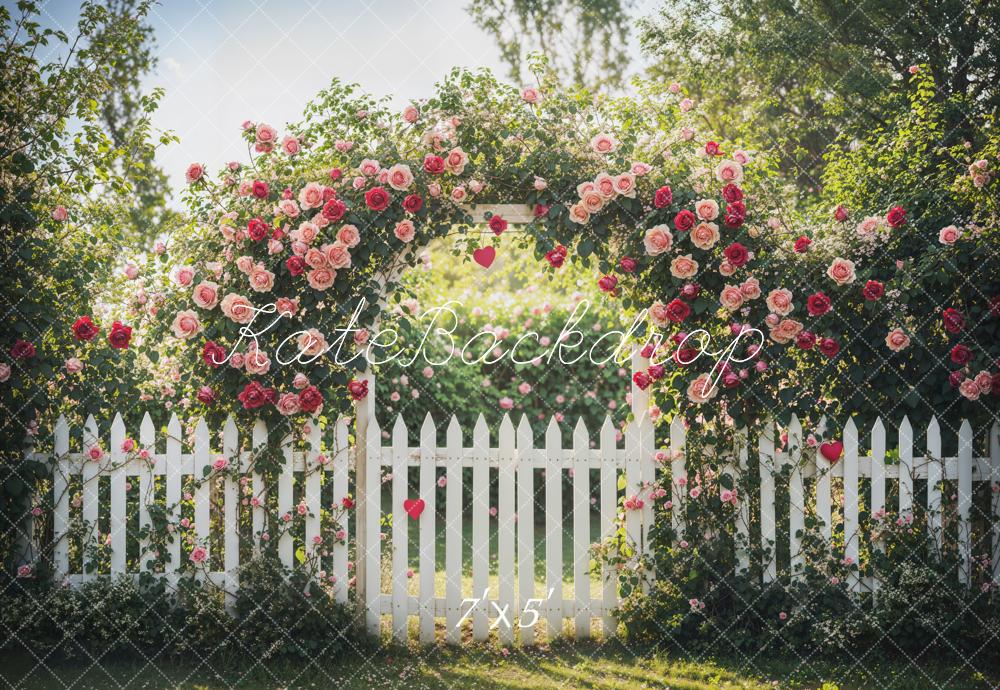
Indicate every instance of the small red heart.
{"type": "Point", "coordinates": [414, 507]}
{"type": "Point", "coordinates": [484, 256]}
{"type": "Point", "coordinates": [832, 451]}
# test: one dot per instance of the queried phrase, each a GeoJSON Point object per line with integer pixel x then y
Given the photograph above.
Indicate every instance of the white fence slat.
{"type": "Point", "coordinates": [905, 468]}
{"type": "Point", "coordinates": [60, 499]}
{"type": "Point", "coordinates": [743, 504]}
{"type": "Point", "coordinates": [312, 494]}
{"type": "Point", "coordinates": [934, 464]}
{"type": "Point", "coordinates": [428, 527]}
{"type": "Point", "coordinates": [964, 502]}
{"type": "Point", "coordinates": [525, 523]}
{"type": "Point", "coordinates": [609, 509]}
{"type": "Point", "coordinates": [231, 512]}
{"type": "Point", "coordinates": [633, 485]}
{"type": "Point", "coordinates": [851, 497]}
{"type": "Point", "coordinates": [480, 528]}
{"type": "Point", "coordinates": [203, 493]}
{"type": "Point", "coordinates": [286, 478]}
{"type": "Point", "coordinates": [400, 536]}
{"type": "Point", "coordinates": [768, 538]}
{"type": "Point", "coordinates": [994, 448]}
{"type": "Point", "coordinates": [878, 480]}
{"type": "Point", "coordinates": [91, 471]}
{"type": "Point", "coordinates": [173, 488]}
{"type": "Point", "coordinates": [506, 528]}
{"type": "Point", "coordinates": [147, 496]}
{"type": "Point", "coordinates": [258, 512]}
{"type": "Point", "coordinates": [647, 475]}
{"type": "Point", "coordinates": [117, 523]}
{"type": "Point", "coordinates": [796, 500]}
{"type": "Point", "coordinates": [824, 468]}
{"type": "Point", "coordinates": [372, 518]}
{"type": "Point", "coordinates": [553, 528]}
{"type": "Point", "coordinates": [340, 461]}
{"type": "Point", "coordinates": [453, 531]}
{"type": "Point", "coordinates": [581, 528]}
{"type": "Point", "coordinates": [677, 461]}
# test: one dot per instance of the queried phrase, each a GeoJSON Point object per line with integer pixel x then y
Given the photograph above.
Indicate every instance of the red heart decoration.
{"type": "Point", "coordinates": [414, 507]}
{"type": "Point", "coordinates": [832, 451]}
{"type": "Point", "coordinates": [484, 256]}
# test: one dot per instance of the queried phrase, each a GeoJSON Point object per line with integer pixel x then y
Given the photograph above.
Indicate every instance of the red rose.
{"type": "Point", "coordinates": [433, 164]}
{"type": "Point", "coordinates": [802, 244]}
{"type": "Point", "coordinates": [733, 220]}
{"type": "Point", "coordinates": [995, 384]}
{"type": "Point", "coordinates": [678, 310]}
{"type": "Point", "coordinates": [541, 211]}
{"type": "Point", "coordinates": [22, 349]}
{"type": "Point", "coordinates": [731, 193]}
{"type": "Point", "coordinates": [873, 290]}
{"type": "Point", "coordinates": [956, 377]}
{"type": "Point", "coordinates": [120, 335]}
{"type": "Point", "coordinates": [253, 396]}
{"type": "Point", "coordinates": [260, 189]}
{"type": "Point", "coordinates": [377, 199]}
{"type": "Point", "coordinates": [737, 254]}
{"type": "Point", "coordinates": [954, 320]}
{"type": "Point", "coordinates": [206, 395]}
{"type": "Point", "coordinates": [257, 229]}
{"type": "Point", "coordinates": [608, 283]}
{"type": "Point", "coordinates": [641, 379]}
{"type": "Point", "coordinates": [960, 354]}
{"type": "Point", "coordinates": [730, 379]}
{"type": "Point", "coordinates": [556, 257]}
{"type": "Point", "coordinates": [84, 328]}
{"type": "Point", "coordinates": [310, 399]}
{"type": "Point", "coordinates": [805, 340]}
{"type": "Point", "coordinates": [684, 221]}
{"type": "Point", "coordinates": [840, 214]}
{"type": "Point", "coordinates": [334, 210]}
{"type": "Point", "coordinates": [628, 264]}
{"type": "Point", "coordinates": [712, 148]}
{"type": "Point", "coordinates": [818, 304]}
{"type": "Point", "coordinates": [829, 347]}
{"type": "Point", "coordinates": [664, 196]}
{"type": "Point", "coordinates": [995, 305]}
{"type": "Point", "coordinates": [336, 174]}
{"type": "Point", "coordinates": [413, 203]}
{"type": "Point", "coordinates": [347, 502]}
{"type": "Point", "coordinates": [690, 291]}
{"type": "Point", "coordinates": [686, 356]}
{"type": "Point", "coordinates": [358, 389]}
{"type": "Point", "coordinates": [497, 225]}
{"type": "Point", "coordinates": [329, 193]}
{"type": "Point", "coordinates": [296, 265]}
{"type": "Point", "coordinates": [656, 371]}
{"type": "Point", "coordinates": [895, 217]}
{"type": "Point", "coordinates": [213, 354]}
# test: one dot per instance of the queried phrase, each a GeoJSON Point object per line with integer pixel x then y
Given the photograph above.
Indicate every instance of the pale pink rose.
{"type": "Point", "coordinates": [683, 267]}
{"type": "Point", "coordinates": [369, 167]}
{"type": "Point", "coordinates": [455, 161]}
{"type": "Point", "coordinates": [199, 555]}
{"type": "Point", "coordinates": [772, 320]}
{"type": "Point", "coordinates": [984, 380]}
{"type": "Point", "coordinates": [315, 258]}
{"type": "Point", "coordinates": [750, 288]}
{"type": "Point", "coordinates": [300, 381]}
{"type": "Point", "coordinates": [131, 271]}
{"type": "Point", "coordinates": [289, 208]}
{"type": "Point", "coordinates": [245, 264]}
{"type": "Point", "coordinates": [288, 404]}
{"type": "Point", "coordinates": [266, 134]}
{"type": "Point", "coordinates": [658, 239]}
{"type": "Point", "coordinates": [206, 294]}
{"type": "Point", "coordinates": [786, 330]}
{"type": "Point", "coordinates": [274, 247]}
{"type": "Point", "coordinates": [184, 276]}
{"type": "Point", "coordinates": [186, 325]}
{"type": "Point", "coordinates": [686, 105]}
{"type": "Point", "coordinates": [731, 297]}
{"type": "Point", "coordinates": [897, 340]}
{"type": "Point", "coordinates": [639, 169]}
{"type": "Point", "coordinates": [729, 171]}
{"type": "Point", "coordinates": [261, 280]}
{"type": "Point", "coordinates": [625, 185]}
{"type": "Point", "coordinates": [780, 301]}
{"type": "Point", "coordinates": [257, 362]}
{"type": "Point", "coordinates": [359, 182]}
{"type": "Point", "coordinates": [237, 308]}
{"type": "Point", "coordinates": [604, 184]}
{"type": "Point", "coordinates": [400, 178]}
{"type": "Point", "coordinates": [707, 209]}
{"type": "Point", "coordinates": [411, 114]}
{"type": "Point", "coordinates": [458, 194]}
{"type": "Point", "coordinates": [726, 268]}
{"type": "Point", "coordinates": [236, 360]}
{"type": "Point", "coordinates": [245, 188]}
{"type": "Point", "coordinates": [286, 307]}
{"type": "Point", "coordinates": [705, 235]}
{"type": "Point", "coordinates": [321, 278]}
{"type": "Point", "coordinates": [841, 271]}
{"type": "Point", "coordinates": [59, 214]}
{"type": "Point", "coordinates": [194, 172]}
{"type": "Point", "coordinates": [674, 87]}
{"type": "Point", "coordinates": [311, 196]}
{"type": "Point", "coordinates": [530, 95]}
{"type": "Point", "coordinates": [579, 214]}
{"type": "Point", "coordinates": [868, 226]}
{"type": "Point", "coordinates": [506, 404]}
{"type": "Point", "coordinates": [702, 389]}
{"type": "Point", "coordinates": [540, 183]}
{"type": "Point", "coordinates": [349, 236]}
{"type": "Point", "coordinates": [73, 366]}
{"type": "Point", "coordinates": [604, 143]}
{"type": "Point", "coordinates": [404, 231]}
{"type": "Point", "coordinates": [290, 145]}
{"type": "Point", "coordinates": [361, 337]}
{"type": "Point", "coordinates": [312, 342]}
{"type": "Point", "coordinates": [741, 157]}
{"type": "Point", "coordinates": [949, 235]}
{"type": "Point", "coordinates": [970, 389]}
{"type": "Point", "coordinates": [337, 255]}
{"type": "Point", "coordinates": [658, 314]}
{"type": "Point", "coordinates": [434, 189]}
{"type": "Point", "coordinates": [687, 134]}
{"type": "Point", "coordinates": [592, 200]}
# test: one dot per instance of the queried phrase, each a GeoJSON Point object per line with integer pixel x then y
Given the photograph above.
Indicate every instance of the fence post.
{"type": "Point", "coordinates": [796, 500]}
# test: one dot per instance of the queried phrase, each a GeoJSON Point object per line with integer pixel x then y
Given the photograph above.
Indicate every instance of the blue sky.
{"type": "Point", "coordinates": [225, 62]}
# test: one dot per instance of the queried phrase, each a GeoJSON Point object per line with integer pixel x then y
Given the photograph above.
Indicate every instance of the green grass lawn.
{"type": "Point", "coordinates": [566, 665]}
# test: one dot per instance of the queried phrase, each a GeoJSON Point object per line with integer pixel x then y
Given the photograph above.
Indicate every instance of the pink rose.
{"type": "Point", "coordinates": [261, 280]}
{"type": "Point", "coordinates": [312, 343]}
{"type": "Point", "coordinates": [683, 267]}
{"type": "Point", "coordinates": [658, 239]}
{"type": "Point", "coordinates": [288, 404]}
{"type": "Point", "coordinates": [625, 184]}
{"type": "Point", "coordinates": [750, 288]}
{"type": "Point", "coordinates": [969, 389]}
{"type": "Point", "coordinates": [841, 271]}
{"type": "Point", "coordinates": [404, 231]}
{"type": "Point", "coordinates": [311, 196]}
{"type": "Point", "coordinates": [707, 209]}
{"type": "Point", "coordinates": [705, 235]}
{"type": "Point", "coordinates": [729, 171]}
{"type": "Point", "coordinates": [266, 134]}
{"type": "Point", "coordinates": [349, 236]}
{"type": "Point", "coordinates": [400, 177]}
{"type": "Point", "coordinates": [530, 95]}
{"type": "Point", "coordinates": [59, 214]}
{"type": "Point", "coordinates": [300, 381]}
{"type": "Point", "coordinates": [897, 340]}
{"type": "Point", "coordinates": [73, 366]}
{"type": "Point", "coordinates": [731, 297]}
{"type": "Point", "coordinates": [321, 278]}
{"type": "Point", "coordinates": [411, 114]}
{"type": "Point", "coordinates": [286, 307]}
{"type": "Point", "coordinates": [949, 235]}
{"type": "Point", "coordinates": [780, 301]}
{"type": "Point", "coordinates": [257, 362]}
{"type": "Point", "coordinates": [186, 325]}
{"type": "Point", "coordinates": [237, 308]}
{"type": "Point", "coordinates": [184, 276]}
{"type": "Point", "coordinates": [458, 194]}
{"type": "Point", "coordinates": [604, 143]}
{"type": "Point", "coordinates": [658, 314]}
{"type": "Point", "coordinates": [337, 255]}
{"type": "Point", "coordinates": [290, 145]}
{"type": "Point", "coordinates": [455, 161]}
{"type": "Point", "coordinates": [702, 389]}
{"type": "Point", "coordinates": [194, 172]}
